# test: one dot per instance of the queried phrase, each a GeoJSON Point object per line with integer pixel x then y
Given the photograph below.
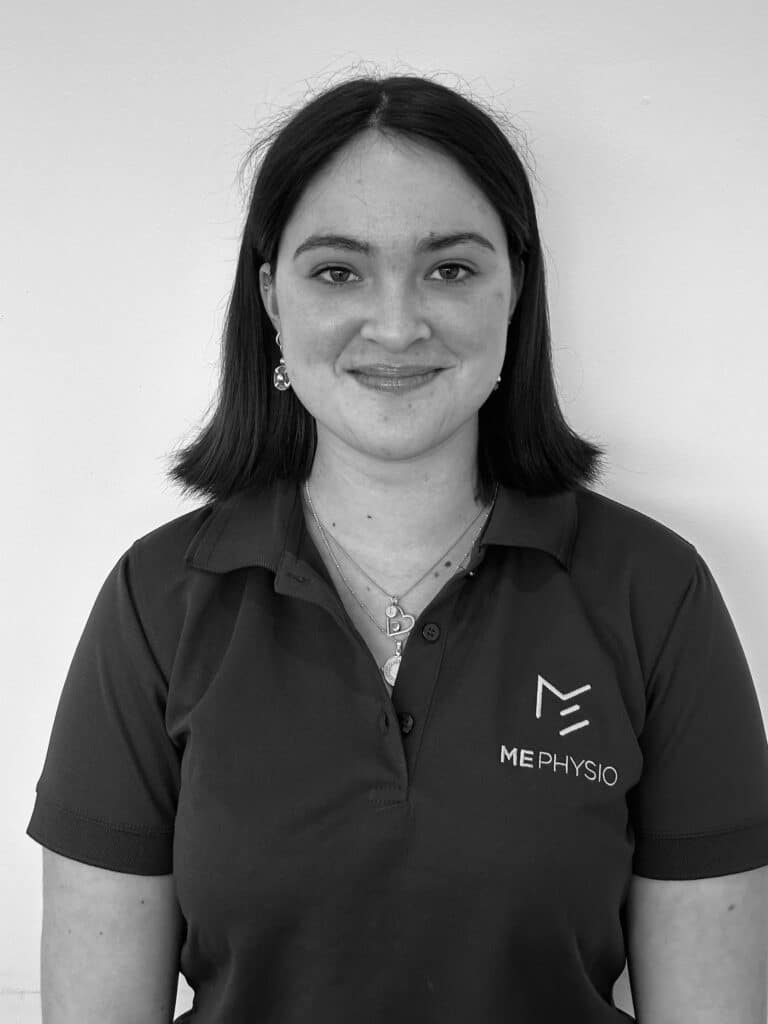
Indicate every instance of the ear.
{"type": "Point", "coordinates": [518, 278]}
{"type": "Point", "coordinates": [268, 296]}
{"type": "Point", "coordinates": [520, 275]}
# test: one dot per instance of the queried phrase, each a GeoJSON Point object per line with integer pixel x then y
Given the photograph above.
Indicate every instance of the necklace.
{"type": "Point", "coordinates": [398, 623]}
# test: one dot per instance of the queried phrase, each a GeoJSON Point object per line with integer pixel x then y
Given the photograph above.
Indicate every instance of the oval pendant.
{"type": "Point", "coordinates": [390, 668]}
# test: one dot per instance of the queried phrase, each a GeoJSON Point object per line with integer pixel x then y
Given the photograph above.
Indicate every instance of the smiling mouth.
{"type": "Point", "coordinates": [395, 382]}
{"type": "Point", "coordinates": [397, 374]}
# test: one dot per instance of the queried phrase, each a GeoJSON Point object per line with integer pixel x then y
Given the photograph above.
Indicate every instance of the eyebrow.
{"type": "Point", "coordinates": [431, 243]}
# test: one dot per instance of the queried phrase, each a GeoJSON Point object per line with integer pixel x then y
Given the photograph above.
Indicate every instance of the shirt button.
{"type": "Point", "coordinates": [431, 632]}
{"type": "Point", "coordinates": [406, 722]}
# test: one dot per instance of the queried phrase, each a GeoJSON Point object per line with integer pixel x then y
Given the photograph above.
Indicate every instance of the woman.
{"type": "Point", "coordinates": [405, 723]}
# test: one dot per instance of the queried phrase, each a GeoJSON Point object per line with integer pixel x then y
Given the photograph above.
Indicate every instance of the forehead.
{"type": "Point", "coordinates": [383, 186]}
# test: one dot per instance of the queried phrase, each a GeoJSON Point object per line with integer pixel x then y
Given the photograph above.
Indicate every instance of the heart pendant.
{"type": "Point", "coordinates": [405, 624]}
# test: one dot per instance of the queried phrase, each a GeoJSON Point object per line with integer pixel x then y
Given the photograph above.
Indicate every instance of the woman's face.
{"type": "Point", "coordinates": [397, 305]}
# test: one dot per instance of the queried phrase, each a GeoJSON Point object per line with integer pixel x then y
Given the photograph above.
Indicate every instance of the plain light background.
{"type": "Point", "coordinates": [122, 132]}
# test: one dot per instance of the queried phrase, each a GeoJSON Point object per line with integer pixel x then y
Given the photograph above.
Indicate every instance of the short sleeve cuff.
{"type": "Point", "coordinates": [135, 850]}
{"type": "Point", "coordinates": [701, 856]}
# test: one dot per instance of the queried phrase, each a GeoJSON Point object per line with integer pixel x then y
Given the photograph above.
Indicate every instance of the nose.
{"type": "Point", "coordinates": [397, 322]}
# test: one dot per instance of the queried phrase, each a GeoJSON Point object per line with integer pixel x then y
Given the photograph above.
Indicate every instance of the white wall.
{"type": "Point", "coordinates": [122, 128]}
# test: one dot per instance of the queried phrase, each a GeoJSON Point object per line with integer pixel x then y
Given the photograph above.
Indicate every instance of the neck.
{"type": "Point", "coordinates": [403, 507]}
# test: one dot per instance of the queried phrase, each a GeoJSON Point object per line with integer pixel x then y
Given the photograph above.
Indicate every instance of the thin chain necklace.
{"type": "Point", "coordinates": [398, 621]}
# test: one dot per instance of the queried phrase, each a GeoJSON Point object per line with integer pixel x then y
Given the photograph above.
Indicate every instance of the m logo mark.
{"type": "Point", "coordinates": [563, 696]}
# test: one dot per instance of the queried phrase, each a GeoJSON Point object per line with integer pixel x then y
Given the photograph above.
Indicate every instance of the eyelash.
{"type": "Point", "coordinates": [336, 284]}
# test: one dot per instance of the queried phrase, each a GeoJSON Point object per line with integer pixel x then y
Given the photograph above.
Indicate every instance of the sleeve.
{"type": "Point", "coordinates": [700, 808]}
{"type": "Point", "coordinates": [108, 791]}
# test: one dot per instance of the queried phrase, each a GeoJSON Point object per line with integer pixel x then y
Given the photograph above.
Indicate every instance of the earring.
{"type": "Point", "coordinates": [280, 377]}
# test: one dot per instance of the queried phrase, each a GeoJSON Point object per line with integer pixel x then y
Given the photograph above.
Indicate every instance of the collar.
{"type": "Point", "coordinates": [263, 527]}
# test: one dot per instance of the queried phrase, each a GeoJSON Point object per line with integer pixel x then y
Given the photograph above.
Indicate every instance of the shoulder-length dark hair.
{"type": "Point", "coordinates": [258, 434]}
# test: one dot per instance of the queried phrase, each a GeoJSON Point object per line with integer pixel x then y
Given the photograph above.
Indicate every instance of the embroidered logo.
{"type": "Point", "coordinates": [557, 763]}
{"type": "Point", "coordinates": [542, 683]}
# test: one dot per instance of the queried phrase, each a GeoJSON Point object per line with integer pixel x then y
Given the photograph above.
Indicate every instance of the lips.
{"type": "Point", "coordinates": [395, 374]}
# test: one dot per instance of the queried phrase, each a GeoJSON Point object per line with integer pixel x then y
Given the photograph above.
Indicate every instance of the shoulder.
{"type": "Point", "coordinates": [632, 569]}
{"type": "Point", "coordinates": [159, 558]}
{"type": "Point", "coordinates": [615, 538]}
{"type": "Point", "coordinates": [162, 552]}
{"type": "Point", "coordinates": [164, 587]}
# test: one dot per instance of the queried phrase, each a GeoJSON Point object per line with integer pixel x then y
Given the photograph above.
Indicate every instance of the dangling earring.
{"type": "Point", "coordinates": [280, 377]}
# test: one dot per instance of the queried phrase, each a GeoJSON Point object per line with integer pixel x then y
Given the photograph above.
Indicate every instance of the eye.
{"type": "Point", "coordinates": [336, 270]}
{"type": "Point", "coordinates": [459, 266]}
{"type": "Point", "coordinates": [345, 270]}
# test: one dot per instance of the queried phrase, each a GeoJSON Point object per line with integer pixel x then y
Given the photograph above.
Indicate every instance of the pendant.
{"type": "Point", "coordinates": [392, 665]}
{"type": "Point", "coordinates": [404, 625]}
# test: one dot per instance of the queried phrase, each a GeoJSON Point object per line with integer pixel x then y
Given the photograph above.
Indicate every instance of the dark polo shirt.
{"type": "Point", "coordinates": [573, 708]}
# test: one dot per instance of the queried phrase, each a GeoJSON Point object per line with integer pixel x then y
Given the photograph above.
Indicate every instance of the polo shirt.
{"type": "Point", "coordinates": [573, 707]}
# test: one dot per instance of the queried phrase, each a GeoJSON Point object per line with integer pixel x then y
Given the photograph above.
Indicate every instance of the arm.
{"type": "Point", "coordinates": [698, 949]}
{"type": "Point", "coordinates": [110, 945]}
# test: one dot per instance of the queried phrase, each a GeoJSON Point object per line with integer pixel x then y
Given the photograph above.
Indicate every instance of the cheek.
{"type": "Point", "coordinates": [314, 355]}
{"type": "Point", "coordinates": [487, 349]}
{"type": "Point", "coordinates": [314, 366]}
